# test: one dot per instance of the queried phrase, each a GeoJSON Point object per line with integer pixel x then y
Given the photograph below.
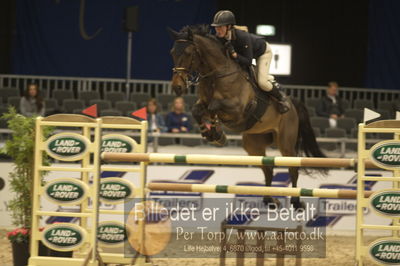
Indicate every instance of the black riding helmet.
{"type": "Point", "coordinates": [223, 18]}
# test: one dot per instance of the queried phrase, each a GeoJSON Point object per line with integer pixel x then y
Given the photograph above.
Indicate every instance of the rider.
{"type": "Point", "coordinates": [243, 47]}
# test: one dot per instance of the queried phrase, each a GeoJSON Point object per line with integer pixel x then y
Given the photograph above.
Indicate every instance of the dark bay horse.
{"type": "Point", "coordinates": [226, 96]}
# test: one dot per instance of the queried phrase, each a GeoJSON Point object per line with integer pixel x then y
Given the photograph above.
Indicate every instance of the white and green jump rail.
{"type": "Point", "coordinates": [234, 160]}
{"type": "Point", "coordinates": [257, 190]}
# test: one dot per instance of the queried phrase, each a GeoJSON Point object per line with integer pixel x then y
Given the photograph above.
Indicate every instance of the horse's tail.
{"type": "Point", "coordinates": [306, 140]}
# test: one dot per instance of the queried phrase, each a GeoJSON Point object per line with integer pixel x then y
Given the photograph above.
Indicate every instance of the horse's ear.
{"type": "Point", "coordinates": [174, 35]}
{"type": "Point", "coordinates": [190, 35]}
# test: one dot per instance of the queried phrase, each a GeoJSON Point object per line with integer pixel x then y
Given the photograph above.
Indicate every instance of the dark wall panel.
{"type": "Point", "coordinates": [49, 39]}
{"type": "Point", "coordinates": [7, 28]}
{"type": "Point", "coordinates": [329, 38]}
{"type": "Point", "coordinates": [384, 45]}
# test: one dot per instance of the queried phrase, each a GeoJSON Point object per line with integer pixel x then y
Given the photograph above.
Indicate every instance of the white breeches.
{"type": "Point", "coordinates": [262, 70]}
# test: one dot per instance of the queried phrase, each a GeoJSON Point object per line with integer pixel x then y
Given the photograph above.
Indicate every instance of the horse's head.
{"type": "Point", "coordinates": [186, 59]}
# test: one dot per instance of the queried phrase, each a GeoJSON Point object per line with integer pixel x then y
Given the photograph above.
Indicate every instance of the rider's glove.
{"type": "Point", "coordinates": [229, 47]}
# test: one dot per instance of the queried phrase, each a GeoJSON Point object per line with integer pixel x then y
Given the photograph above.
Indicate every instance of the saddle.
{"type": "Point", "coordinates": [256, 108]}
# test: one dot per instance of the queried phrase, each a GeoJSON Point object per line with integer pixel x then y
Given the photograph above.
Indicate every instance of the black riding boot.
{"type": "Point", "coordinates": [280, 97]}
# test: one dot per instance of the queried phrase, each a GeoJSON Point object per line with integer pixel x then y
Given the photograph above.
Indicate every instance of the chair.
{"type": "Point", "coordinates": [321, 122]}
{"type": "Point", "coordinates": [126, 107]}
{"type": "Point", "coordinates": [3, 122]}
{"type": "Point", "coordinates": [345, 104]}
{"type": "Point", "coordinates": [191, 142]}
{"type": "Point", "coordinates": [396, 106]}
{"type": "Point", "coordinates": [14, 101]}
{"type": "Point", "coordinates": [50, 106]}
{"type": "Point", "coordinates": [385, 136]}
{"type": "Point", "coordinates": [311, 111]}
{"type": "Point", "coordinates": [334, 133]}
{"type": "Point", "coordinates": [312, 102]}
{"type": "Point", "coordinates": [347, 124]}
{"type": "Point", "coordinates": [61, 95]}
{"type": "Point", "coordinates": [101, 104]}
{"type": "Point", "coordinates": [110, 112]}
{"type": "Point", "coordinates": [139, 98]}
{"type": "Point", "coordinates": [361, 104]}
{"type": "Point", "coordinates": [387, 105]}
{"type": "Point", "coordinates": [165, 99]}
{"type": "Point", "coordinates": [70, 105]}
{"type": "Point", "coordinates": [355, 113]}
{"type": "Point", "coordinates": [354, 134]}
{"type": "Point", "coordinates": [86, 96]}
{"type": "Point", "coordinates": [190, 100]}
{"type": "Point", "coordinates": [317, 132]}
{"type": "Point", "coordinates": [9, 92]}
{"type": "Point", "coordinates": [114, 97]}
{"type": "Point", "coordinates": [77, 111]}
{"type": "Point", "coordinates": [166, 141]}
{"type": "Point", "coordinates": [385, 114]}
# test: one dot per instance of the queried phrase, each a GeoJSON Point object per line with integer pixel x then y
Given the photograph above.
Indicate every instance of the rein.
{"type": "Point", "coordinates": [212, 74]}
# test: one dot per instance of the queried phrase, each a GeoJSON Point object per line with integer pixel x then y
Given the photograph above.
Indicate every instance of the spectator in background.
{"type": "Point", "coordinates": [331, 105]}
{"type": "Point", "coordinates": [155, 120]}
{"type": "Point", "coordinates": [177, 120]}
{"type": "Point", "coordinates": [32, 103]}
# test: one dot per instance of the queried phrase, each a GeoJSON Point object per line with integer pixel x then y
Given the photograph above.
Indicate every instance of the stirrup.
{"type": "Point", "coordinates": [280, 97]}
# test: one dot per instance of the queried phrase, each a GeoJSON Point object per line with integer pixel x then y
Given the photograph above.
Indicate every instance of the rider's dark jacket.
{"type": "Point", "coordinates": [247, 46]}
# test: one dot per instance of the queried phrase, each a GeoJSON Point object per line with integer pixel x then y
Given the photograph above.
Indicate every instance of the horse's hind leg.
{"type": "Point", "coordinates": [255, 145]}
{"type": "Point", "coordinates": [294, 173]}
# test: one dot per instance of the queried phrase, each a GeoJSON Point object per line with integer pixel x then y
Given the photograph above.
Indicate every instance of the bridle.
{"type": "Point", "coordinates": [186, 74]}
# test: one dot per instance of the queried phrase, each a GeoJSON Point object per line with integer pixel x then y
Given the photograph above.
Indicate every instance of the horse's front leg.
{"type": "Point", "coordinates": [210, 127]}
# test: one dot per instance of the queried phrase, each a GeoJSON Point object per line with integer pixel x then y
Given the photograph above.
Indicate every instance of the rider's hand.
{"type": "Point", "coordinates": [229, 47]}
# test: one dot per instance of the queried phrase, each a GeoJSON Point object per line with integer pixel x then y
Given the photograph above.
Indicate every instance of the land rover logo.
{"type": "Point", "coordinates": [386, 251]}
{"type": "Point", "coordinates": [386, 202]}
{"type": "Point", "coordinates": [67, 146]}
{"type": "Point", "coordinates": [386, 154]}
{"type": "Point", "coordinates": [66, 191]}
{"type": "Point", "coordinates": [117, 143]}
{"type": "Point", "coordinates": [111, 233]}
{"type": "Point", "coordinates": [63, 236]}
{"type": "Point", "coordinates": [115, 190]}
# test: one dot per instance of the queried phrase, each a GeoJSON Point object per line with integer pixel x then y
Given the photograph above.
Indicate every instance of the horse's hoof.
{"type": "Point", "coordinates": [222, 140]}
{"type": "Point", "coordinates": [272, 203]}
{"type": "Point", "coordinates": [298, 205]}
{"type": "Point", "coordinates": [216, 143]}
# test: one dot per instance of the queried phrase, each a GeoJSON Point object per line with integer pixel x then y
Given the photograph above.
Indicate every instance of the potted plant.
{"type": "Point", "coordinates": [19, 239]}
{"type": "Point", "coordinates": [20, 147]}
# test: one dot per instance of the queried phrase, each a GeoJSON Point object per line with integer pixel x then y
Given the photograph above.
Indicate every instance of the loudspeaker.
{"type": "Point", "coordinates": [131, 18]}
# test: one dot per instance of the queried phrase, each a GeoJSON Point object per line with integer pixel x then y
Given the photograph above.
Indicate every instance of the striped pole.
{"type": "Point", "coordinates": [257, 190]}
{"type": "Point", "coordinates": [232, 160]}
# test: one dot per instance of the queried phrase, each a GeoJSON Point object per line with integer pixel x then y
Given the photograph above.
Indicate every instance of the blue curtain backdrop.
{"type": "Point", "coordinates": [384, 45]}
{"type": "Point", "coordinates": [48, 39]}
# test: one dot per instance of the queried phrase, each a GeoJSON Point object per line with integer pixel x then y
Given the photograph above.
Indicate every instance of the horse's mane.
{"type": "Point", "coordinates": [201, 30]}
